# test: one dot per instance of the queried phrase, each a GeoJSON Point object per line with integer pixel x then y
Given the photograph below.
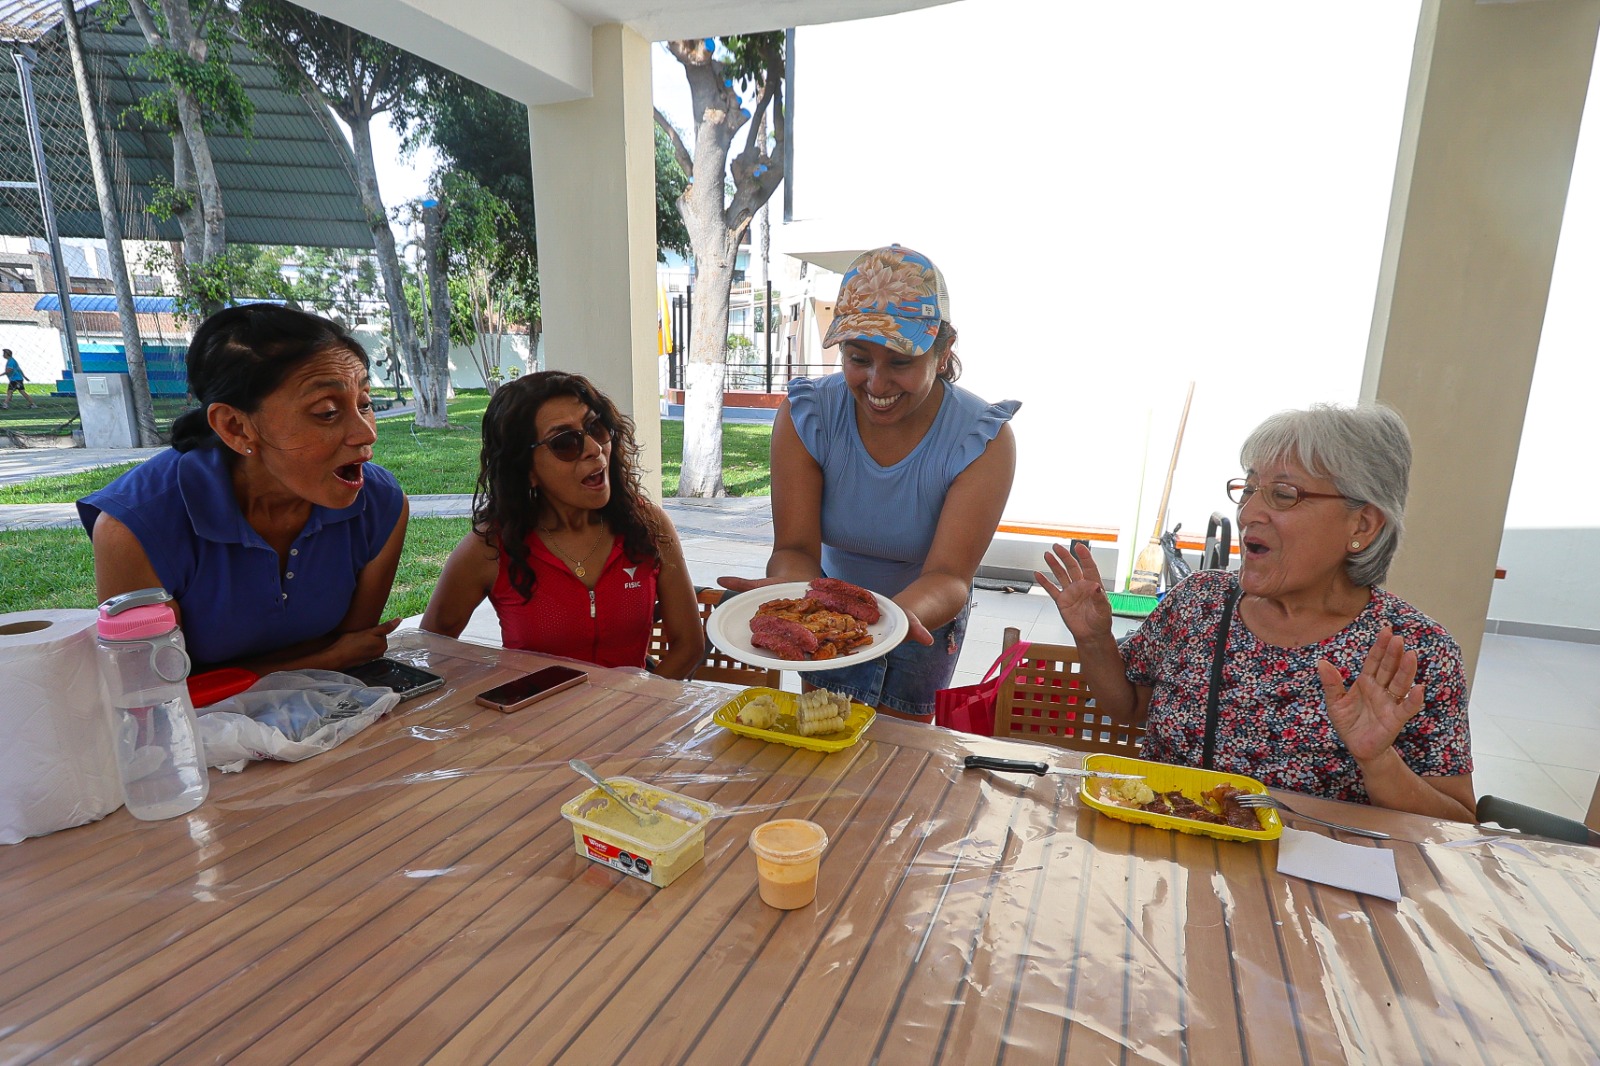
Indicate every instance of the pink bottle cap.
{"type": "Point", "coordinates": [138, 623]}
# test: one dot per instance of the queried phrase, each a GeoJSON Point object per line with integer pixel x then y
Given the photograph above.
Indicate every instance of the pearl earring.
{"type": "Point", "coordinates": [1355, 545]}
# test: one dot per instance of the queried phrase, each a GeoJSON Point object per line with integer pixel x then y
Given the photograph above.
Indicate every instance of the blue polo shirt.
{"type": "Point", "coordinates": [236, 602]}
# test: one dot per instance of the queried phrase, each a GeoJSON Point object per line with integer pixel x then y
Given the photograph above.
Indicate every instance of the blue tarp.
{"type": "Point", "coordinates": [144, 305]}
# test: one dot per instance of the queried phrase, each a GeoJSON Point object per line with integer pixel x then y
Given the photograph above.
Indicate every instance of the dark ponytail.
{"type": "Point", "coordinates": [241, 354]}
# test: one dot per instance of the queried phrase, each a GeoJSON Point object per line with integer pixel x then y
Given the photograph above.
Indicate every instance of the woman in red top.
{"type": "Point", "coordinates": [564, 543]}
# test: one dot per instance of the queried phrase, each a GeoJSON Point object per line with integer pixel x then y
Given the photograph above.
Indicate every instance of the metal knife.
{"type": "Point", "coordinates": [1022, 766]}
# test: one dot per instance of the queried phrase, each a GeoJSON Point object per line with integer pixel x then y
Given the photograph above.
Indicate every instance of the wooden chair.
{"type": "Point", "coordinates": [718, 665]}
{"type": "Point", "coordinates": [1046, 700]}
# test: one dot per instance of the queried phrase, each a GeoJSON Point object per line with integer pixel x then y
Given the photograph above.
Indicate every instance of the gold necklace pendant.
{"type": "Point", "coordinates": [577, 564]}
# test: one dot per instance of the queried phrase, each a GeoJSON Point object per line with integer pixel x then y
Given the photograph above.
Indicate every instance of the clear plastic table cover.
{"type": "Point", "coordinates": [414, 895]}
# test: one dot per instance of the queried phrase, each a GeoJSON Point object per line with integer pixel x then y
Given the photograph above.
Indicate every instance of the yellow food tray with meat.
{"type": "Point", "coordinates": [1104, 796]}
{"type": "Point", "coordinates": [773, 715]}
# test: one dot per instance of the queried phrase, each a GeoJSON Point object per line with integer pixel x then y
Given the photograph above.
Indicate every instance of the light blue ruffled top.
{"type": "Point", "coordinates": [878, 521]}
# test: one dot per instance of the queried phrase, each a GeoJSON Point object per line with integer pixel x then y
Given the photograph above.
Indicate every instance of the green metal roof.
{"type": "Point", "coordinates": [285, 184]}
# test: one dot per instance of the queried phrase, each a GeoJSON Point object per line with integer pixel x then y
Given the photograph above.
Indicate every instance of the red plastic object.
{"type": "Point", "coordinates": [213, 685]}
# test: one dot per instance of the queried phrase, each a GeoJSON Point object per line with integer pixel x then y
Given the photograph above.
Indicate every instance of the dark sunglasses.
{"type": "Point", "coordinates": [568, 445]}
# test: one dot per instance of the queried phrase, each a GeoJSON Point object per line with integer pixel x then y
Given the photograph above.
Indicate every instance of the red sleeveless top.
{"type": "Point", "coordinates": [609, 626]}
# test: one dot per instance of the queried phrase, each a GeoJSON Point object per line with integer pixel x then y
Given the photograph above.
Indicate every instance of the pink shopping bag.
{"type": "Point", "coordinates": [970, 708]}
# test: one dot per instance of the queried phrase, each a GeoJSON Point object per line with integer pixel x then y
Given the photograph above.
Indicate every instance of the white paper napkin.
{"type": "Point", "coordinates": [1332, 862]}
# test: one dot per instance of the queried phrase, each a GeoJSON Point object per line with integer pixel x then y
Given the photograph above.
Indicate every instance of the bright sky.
{"type": "Point", "coordinates": [400, 179]}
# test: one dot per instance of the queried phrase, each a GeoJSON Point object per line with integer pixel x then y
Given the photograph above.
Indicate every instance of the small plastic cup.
{"type": "Point", "coordinates": [788, 854]}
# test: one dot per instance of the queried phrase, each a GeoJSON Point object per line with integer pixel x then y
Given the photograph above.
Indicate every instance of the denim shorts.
{"type": "Point", "coordinates": [905, 679]}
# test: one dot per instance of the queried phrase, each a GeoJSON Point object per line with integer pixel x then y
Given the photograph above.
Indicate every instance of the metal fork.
{"type": "Point", "coordinates": [1263, 799]}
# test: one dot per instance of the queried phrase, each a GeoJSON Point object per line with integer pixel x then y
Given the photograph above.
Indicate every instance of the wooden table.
{"type": "Point", "coordinates": [415, 896]}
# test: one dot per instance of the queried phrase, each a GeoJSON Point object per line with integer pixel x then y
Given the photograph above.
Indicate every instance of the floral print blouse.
{"type": "Point", "coordinates": [1272, 722]}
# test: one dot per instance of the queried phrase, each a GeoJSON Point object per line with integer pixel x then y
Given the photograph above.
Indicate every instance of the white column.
{"type": "Point", "coordinates": [1491, 125]}
{"type": "Point", "coordinates": [594, 201]}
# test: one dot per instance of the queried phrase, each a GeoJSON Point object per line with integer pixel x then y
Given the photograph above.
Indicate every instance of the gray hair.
{"type": "Point", "coordinates": [1365, 451]}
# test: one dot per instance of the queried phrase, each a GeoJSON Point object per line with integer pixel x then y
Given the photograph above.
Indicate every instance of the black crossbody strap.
{"type": "Point", "coordinates": [1214, 693]}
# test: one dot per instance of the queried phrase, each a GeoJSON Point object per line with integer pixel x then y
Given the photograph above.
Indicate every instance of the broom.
{"type": "Point", "coordinates": [1146, 577]}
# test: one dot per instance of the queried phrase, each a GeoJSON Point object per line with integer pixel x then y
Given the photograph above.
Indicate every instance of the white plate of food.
{"type": "Point", "coordinates": [729, 629]}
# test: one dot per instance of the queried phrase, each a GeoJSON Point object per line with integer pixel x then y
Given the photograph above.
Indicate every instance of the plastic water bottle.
{"type": "Point", "coordinates": [144, 663]}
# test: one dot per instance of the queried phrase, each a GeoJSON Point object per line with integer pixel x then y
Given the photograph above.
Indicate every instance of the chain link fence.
{"type": "Point", "coordinates": [31, 323]}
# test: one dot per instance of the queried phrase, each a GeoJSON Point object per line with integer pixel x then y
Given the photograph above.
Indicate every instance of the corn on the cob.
{"type": "Point", "coordinates": [821, 712]}
{"type": "Point", "coordinates": [819, 726]}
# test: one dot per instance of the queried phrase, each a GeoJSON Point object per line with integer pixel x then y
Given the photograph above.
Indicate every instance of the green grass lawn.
{"type": "Point", "coordinates": [445, 461]}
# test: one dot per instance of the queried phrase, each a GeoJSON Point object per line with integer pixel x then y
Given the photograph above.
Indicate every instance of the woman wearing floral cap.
{"type": "Point", "coordinates": [890, 476]}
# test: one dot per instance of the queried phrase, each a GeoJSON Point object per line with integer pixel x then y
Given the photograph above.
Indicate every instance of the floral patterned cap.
{"type": "Point", "coordinates": [890, 296]}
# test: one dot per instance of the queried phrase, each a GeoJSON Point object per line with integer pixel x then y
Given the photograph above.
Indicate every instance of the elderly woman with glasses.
{"type": "Point", "coordinates": [564, 544]}
{"type": "Point", "coordinates": [1329, 685]}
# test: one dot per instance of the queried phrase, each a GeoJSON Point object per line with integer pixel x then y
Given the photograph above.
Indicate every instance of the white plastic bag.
{"type": "Point", "coordinates": [289, 715]}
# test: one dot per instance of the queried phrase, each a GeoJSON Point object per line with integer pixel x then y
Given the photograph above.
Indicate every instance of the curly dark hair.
{"type": "Point", "coordinates": [504, 511]}
{"type": "Point", "coordinates": [241, 354]}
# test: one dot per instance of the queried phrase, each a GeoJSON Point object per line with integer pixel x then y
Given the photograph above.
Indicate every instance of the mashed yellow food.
{"type": "Point", "coordinates": [1128, 793]}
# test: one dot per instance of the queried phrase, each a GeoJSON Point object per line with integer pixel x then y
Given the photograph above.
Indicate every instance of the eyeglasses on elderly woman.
{"type": "Point", "coordinates": [567, 445]}
{"type": "Point", "coordinates": [1279, 495]}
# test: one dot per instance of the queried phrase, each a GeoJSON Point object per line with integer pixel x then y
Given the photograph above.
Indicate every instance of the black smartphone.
{"type": "Point", "coordinates": [405, 679]}
{"type": "Point", "coordinates": [531, 688]}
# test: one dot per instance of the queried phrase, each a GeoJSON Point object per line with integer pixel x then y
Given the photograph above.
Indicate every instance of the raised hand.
{"type": "Point", "coordinates": [1369, 714]}
{"type": "Point", "coordinates": [1079, 596]}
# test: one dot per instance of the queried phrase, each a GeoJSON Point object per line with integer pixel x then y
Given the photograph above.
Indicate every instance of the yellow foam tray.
{"type": "Point", "coordinates": [1164, 778]}
{"type": "Point", "coordinates": [783, 730]}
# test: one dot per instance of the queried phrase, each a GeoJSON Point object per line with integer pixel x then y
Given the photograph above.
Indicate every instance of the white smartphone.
{"type": "Point", "coordinates": [531, 688]}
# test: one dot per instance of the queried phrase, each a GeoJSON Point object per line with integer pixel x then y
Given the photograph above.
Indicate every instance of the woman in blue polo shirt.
{"type": "Point", "coordinates": [265, 520]}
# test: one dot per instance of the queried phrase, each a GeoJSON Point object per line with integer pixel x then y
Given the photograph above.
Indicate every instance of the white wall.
{"type": "Point", "coordinates": [463, 370]}
{"type": "Point", "coordinates": [38, 350]}
{"type": "Point", "coordinates": [1551, 546]}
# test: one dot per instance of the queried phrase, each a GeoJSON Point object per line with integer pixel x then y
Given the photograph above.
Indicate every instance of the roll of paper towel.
{"type": "Point", "coordinates": [58, 768]}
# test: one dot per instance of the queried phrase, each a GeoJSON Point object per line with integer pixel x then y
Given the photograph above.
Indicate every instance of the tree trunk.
{"type": "Point", "coordinates": [702, 207]}
{"type": "Point", "coordinates": [401, 328]}
{"type": "Point", "coordinates": [111, 225]}
{"type": "Point", "coordinates": [194, 171]}
{"type": "Point", "coordinates": [708, 354]}
{"type": "Point", "coordinates": [715, 223]}
{"type": "Point", "coordinates": [189, 216]}
{"type": "Point", "coordinates": [436, 360]}
{"type": "Point", "coordinates": [181, 25]}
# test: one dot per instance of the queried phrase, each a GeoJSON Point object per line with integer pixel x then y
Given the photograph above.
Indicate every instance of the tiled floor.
{"type": "Point", "coordinates": [1535, 706]}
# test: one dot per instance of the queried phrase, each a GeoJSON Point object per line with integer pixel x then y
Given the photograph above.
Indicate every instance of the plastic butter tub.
{"type": "Point", "coordinates": [657, 853]}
